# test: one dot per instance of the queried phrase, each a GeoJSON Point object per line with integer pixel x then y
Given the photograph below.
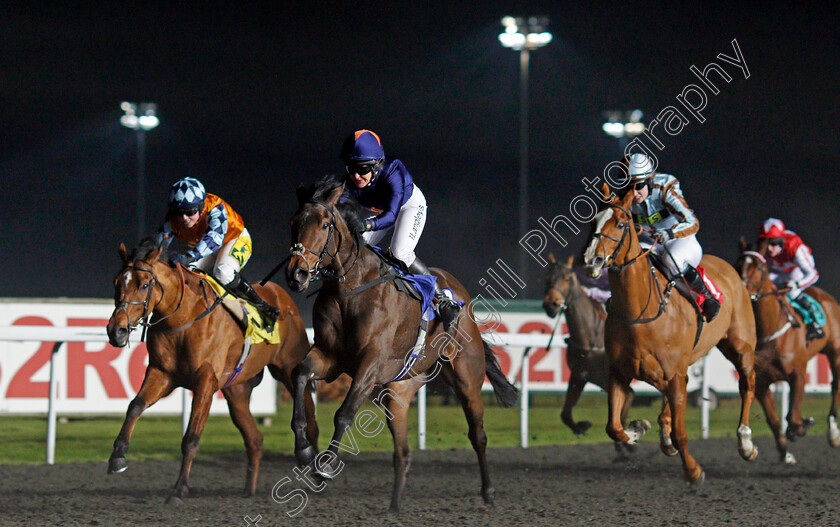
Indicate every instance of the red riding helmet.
{"type": "Point", "coordinates": [772, 228]}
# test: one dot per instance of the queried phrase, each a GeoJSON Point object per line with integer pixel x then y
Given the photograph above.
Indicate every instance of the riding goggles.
{"type": "Point", "coordinates": [190, 211]}
{"type": "Point", "coordinates": [359, 169]}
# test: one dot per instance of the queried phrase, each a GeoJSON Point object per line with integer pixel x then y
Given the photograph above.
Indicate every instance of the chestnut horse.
{"type": "Point", "coordinates": [783, 353]}
{"type": "Point", "coordinates": [653, 339]}
{"type": "Point", "coordinates": [586, 356]}
{"type": "Point", "coordinates": [366, 328]}
{"type": "Point", "coordinates": [196, 344]}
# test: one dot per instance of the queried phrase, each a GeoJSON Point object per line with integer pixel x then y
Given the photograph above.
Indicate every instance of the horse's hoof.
{"type": "Point", "coordinates": [174, 500]}
{"type": "Point", "coordinates": [636, 429]}
{"type": "Point", "coordinates": [117, 465]}
{"type": "Point", "coordinates": [788, 458]}
{"type": "Point", "coordinates": [699, 481]}
{"type": "Point", "coordinates": [753, 454]}
{"type": "Point", "coordinates": [305, 455]}
{"type": "Point", "coordinates": [669, 450]}
{"type": "Point", "coordinates": [582, 427]}
{"type": "Point", "coordinates": [328, 471]}
{"type": "Point", "coordinates": [489, 496]}
{"type": "Point", "coordinates": [790, 434]}
{"type": "Point", "coordinates": [808, 422]}
{"type": "Point", "coordinates": [834, 442]}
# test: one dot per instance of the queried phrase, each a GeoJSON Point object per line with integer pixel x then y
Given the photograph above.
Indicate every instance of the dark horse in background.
{"type": "Point", "coordinates": [586, 356]}
{"type": "Point", "coordinates": [366, 328]}
{"type": "Point", "coordinates": [196, 344]}
{"type": "Point", "coordinates": [782, 352]}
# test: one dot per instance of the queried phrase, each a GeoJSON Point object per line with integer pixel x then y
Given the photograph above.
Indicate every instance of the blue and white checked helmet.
{"type": "Point", "coordinates": [186, 193]}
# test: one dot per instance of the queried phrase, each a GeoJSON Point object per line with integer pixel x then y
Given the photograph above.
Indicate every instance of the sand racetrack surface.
{"type": "Point", "coordinates": [571, 485]}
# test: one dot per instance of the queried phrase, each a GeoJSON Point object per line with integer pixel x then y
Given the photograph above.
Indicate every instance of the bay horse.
{"type": "Point", "coordinates": [366, 328]}
{"type": "Point", "coordinates": [783, 353]}
{"type": "Point", "coordinates": [653, 339]}
{"type": "Point", "coordinates": [586, 356]}
{"type": "Point", "coordinates": [195, 344]}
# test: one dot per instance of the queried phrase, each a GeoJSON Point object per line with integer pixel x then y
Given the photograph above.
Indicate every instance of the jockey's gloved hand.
{"type": "Point", "coordinates": [794, 289]}
{"type": "Point", "coordinates": [178, 258]}
{"type": "Point", "coordinates": [663, 235]}
{"type": "Point", "coordinates": [369, 225]}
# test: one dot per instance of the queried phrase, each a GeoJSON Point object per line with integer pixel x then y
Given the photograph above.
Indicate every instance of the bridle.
{"type": "Point", "coordinates": [619, 244]}
{"type": "Point", "coordinates": [316, 271]}
{"type": "Point", "coordinates": [764, 274]}
{"type": "Point", "coordinates": [618, 269]}
{"type": "Point", "coordinates": [774, 291]}
{"type": "Point", "coordinates": [567, 298]}
{"type": "Point", "coordinates": [148, 308]}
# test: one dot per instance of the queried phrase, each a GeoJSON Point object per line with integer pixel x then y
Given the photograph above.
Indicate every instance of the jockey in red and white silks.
{"type": "Point", "coordinates": [792, 266]}
{"type": "Point", "coordinates": [789, 260]}
{"type": "Point", "coordinates": [661, 211]}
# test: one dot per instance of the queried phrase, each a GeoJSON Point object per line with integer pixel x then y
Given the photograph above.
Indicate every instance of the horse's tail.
{"type": "Point", "coordinates": [506, 393]}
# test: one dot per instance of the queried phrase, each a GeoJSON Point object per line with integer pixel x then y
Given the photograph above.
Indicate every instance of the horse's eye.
{"type": "Point", "coordinates": [146, 286]}
{"type": "Point", "coordinates": [621, 225]}
{"type": "Point", "coordinates": [325, 226]}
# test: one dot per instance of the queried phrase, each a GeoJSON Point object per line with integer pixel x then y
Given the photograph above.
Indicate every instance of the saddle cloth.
{"type": "Point", "coordinates": [255, 330]}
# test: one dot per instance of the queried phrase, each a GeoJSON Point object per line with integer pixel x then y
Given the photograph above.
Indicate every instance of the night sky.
{"type": "Point", "coordinates": [254, 101]}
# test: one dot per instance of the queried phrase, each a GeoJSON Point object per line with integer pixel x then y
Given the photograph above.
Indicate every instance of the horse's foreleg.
{"type": "Point", "coordinates": [327, 464]}
{"type": "Point", "coordinates": [676, 393]}
{"type": "Point", "coordinates": [796, 426]}
{"type": "Point", "coordinates": [311, 427]}
{"type": "Point", "coordinates": [577, 381]}
{"type": "Point", "coordinates": [238, 399]}
{"type": "Point", "coordinates": [768, 404]}
{"type": "Point", "coordinates": [156, 385]}
{"type": "Point", "coordinates": [398, 407]}
{"type": "Point", "coordinates": [617, 393]}
{"type": "Point", "coordinates": [315, 366]}
{"type": "Point", "coordinates": [203, 388]}
{"type": "Point", "coordinates": [666, 443]}
{"type": "Point", "coordinates": [743, 358]}
{"type": "Point", "coordinates": [833, 428]}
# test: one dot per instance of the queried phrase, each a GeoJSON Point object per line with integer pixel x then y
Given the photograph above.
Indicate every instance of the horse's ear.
{"type": "Point", "coordinates": [551, 258]}
{"type": "Point", "coordinates": [123, 253]}
{"type": "Point", "coordinates": [605, 190]}
{"type": "Point", "coordinates": [300, 191]}
{"type": "Point", "coordinates": [332, 197]}
{"type": "Point", "coordinates": [742, 244]}
{"type": "Point", "coordinates": [570, 260]}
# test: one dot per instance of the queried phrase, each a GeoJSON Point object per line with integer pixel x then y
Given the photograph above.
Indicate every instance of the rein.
{"type": "Point", "coordinates": [145, 319]}
{"type": "Point", "coordinates": [618, 269]}
{"type": "Point", "coordinates": [755, 297]}
{"type": "Point", "coordinates": [315, 272]}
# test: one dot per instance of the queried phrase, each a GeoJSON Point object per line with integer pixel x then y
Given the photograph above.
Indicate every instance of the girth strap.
{"type": "Point", "coordinates": [368, 285]}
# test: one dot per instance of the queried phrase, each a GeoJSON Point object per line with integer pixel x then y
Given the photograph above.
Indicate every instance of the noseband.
{"type": "Point", "coordinates": [148, 308]}
{"type": "Point", "coordinates": [316, 271]}
{"type": "Point", "coordinates": [619, 244]}
{"type": "Point", "coordinates": [567, 298]}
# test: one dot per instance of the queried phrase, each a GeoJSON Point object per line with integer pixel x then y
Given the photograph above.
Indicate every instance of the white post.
{"type": "Point", "coordinates": [704, 400]}
{"type": "Point", "coordinates": [185, 411]}
{"type": "Point", "coordinates": [784, 395]}
{"type": "Point", "coordinates": [421, 417]}
{"type": "Point", "coordinates": [523, 400]}
{"type": "Point", "coordinates": [51, 418]}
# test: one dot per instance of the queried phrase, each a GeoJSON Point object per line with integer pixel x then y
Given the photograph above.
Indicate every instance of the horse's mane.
{"type": "Point", "coordinates": [352, 211]}
{"type": "Point", "coordinates": [146, 246]}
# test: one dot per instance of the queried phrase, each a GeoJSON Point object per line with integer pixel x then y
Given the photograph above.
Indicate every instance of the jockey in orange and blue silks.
{"type": "Point", "coordinates": [216, 240]}
{"type": "Point", "coordinates": [792, 265]}
{"type": "Point", "coordinates": [386, 187]}
{"type": "Point", "coordinates": [661, 211]}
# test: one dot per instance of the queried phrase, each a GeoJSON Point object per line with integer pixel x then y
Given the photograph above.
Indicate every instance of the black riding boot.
{"type": "Point", "coordinates": [269, 313]}
{"type": "Point", "coordinates": [711, 305]}
{"type": "Point", "coordinates": [447, 308]}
